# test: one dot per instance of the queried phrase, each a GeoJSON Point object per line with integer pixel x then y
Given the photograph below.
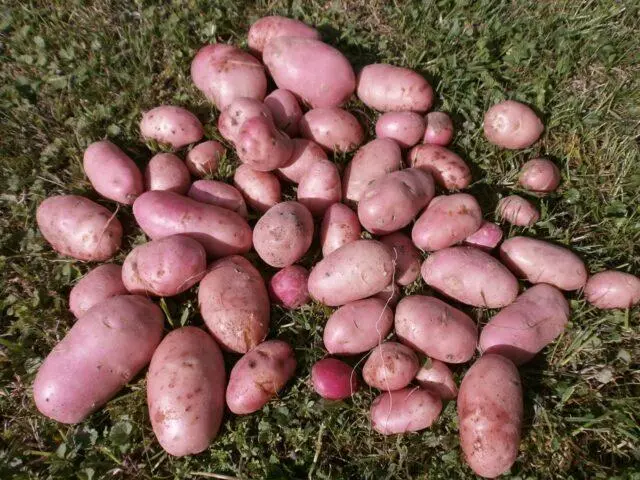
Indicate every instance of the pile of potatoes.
{"type": "Point", "coordinates": [403, 188]}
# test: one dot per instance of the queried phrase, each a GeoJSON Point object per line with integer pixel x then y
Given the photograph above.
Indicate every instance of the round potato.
{"type": "Point", "coordinates": [261, 190]}
{"type": "Point", "coordinates": [448, 169]}
{"type": "Point", "coordinates": [611, 289]}
{"type": "Point", "coordinates": [171, 125]}
{"type": "Point", "coordinates": [339, 226]}
{"type": "Point", "coordinates": [333, 379]}
{"type": "Point", "coordinates": [486, 238]}
{"type": "Point", "coordinates": [439, 129]}
{"type": "Point", "coordinates": [512, 125]}
{"type": "Point", "coordinates": [266, 29]}
{"type": "Point", "coordinates": [539, 175]}
{"type": "Point", "coordinates": [232, 118]}
{"type": "Point", "coordinates": [220, 194]}
{"type": "Point", "coordinates": [333, 128]}
{"type": "Point", "coordinates": [285, 109]}
{"type": "Point", "coordinates": [436, 377]}
{"type": "Point", "coordinates": [305, 154]}
{"type": "Point", "coordinates": [518, 211]}
{"type": "Point", "coordinates": [262, 146]}
{"type": "Point", "coordinates": [288, 287]}
{"type": "Point", "coordinates": [406, 128]}
{"type": "Point", "coordinates": [320, 187]}
{"type": "Point", "coordinates": [390, 366]}
{"type": "Point", "coordinates": [405, 256]}
{"type": "Point", "coordinates": [104, 281]}
{"type": "Point", "coordinates": [407, 410]}
{"type": "Point", "coordinates": [388, 88]}
{"type": "Point", "coordinates": [167, 172]}
{"type": "Point", "coordinates": [203, 159]}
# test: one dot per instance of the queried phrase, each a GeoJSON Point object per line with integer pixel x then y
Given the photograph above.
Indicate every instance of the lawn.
{"type": "Point", "coordinates": [74, 72]}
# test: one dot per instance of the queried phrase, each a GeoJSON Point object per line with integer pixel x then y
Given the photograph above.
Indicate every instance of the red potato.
{"type": "Point", "coordinates": [261, 190]}
{"type": "Point", "coordinates": [99, 355]}
{"type": "Point", "coordinates": [436, 377]}
{"type": "Point", "coordinates": [315, 72]}
{"type": "Point", "coordinates": [305, 154]}
{"type": "Point", "coordinates": [612, 289]}
{"type": "Point", "coordinates": [388, 88]}
{"type": "Point", "coordinates": [203, 159]}
{"type": "Point", "coordinates": [164, 267]}
{"type": "Point", "coordinates": [167, 172]}
{"type": "Point", "coordinates": [104, 281]}
{"type": "Point", "coordinates": [470, 276]}
{"type": "Point", "coordinates": [320, 187]}
{"type": "Point", "coordinates": [259, 375]}
{"type": "Point", "coordinates": [77, 227]}
{"type": "Point", "coordinates": [512, 125]}
{"type": "Point", "coordinates": [185, 391]}
{"type": "Point", "coordinates": [234, 304]}
{"type": "Point", "coordinates": [232, 118]}
{"type": "Point", "coordinates": [339, 226]}
{"type": "Point", "coordinates": [390, 295]}
{"type": "Point", "coordinates": [490, 411]}
{"type": "Point", "coordinates": [518, 211]}
{"type": "Point", "coordinates": [220, 231]}
{"type": "Point", "coordinates": [539, 175]}
{"type": "Point", "coordinates": [439, 129]}
{"type": "Point", "coordinates": [220, 194]}
{"type": "Point", "coordinates": [171, 125]}
{"type": "Point", "coordinates": [448, 169]}
{"type": "Point", "coordinates": [333, 128]}
{"type": "Point", "coordinates": [285, 109]}
{"type": "Point", "coordinates": [266, 29]}
{"type": "Point", "coordinates": [406, 257]}
{"type": "Point", "coordinates": [486, 238]}
{"type": "Point", "coordinates": [288, 287]}
{"type": "Point", "coordinates": [333, 379]}
{"type": "Point", "coordinates": [262, 146]}
{"type": "Point", "coordinates": [112, 173]}
{"type": "Point", "coordinates": [390, 366]}
{"type": "Point", "coordinates": [406, 128]}
{"type": "Point", "coordinates": [408, 410]}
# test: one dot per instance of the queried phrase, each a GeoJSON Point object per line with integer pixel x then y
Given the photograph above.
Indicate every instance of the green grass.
{"type": "Point", "coordinates": [73, 72]}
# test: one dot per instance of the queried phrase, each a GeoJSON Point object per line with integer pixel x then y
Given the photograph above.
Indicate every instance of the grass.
{"type": "Point", "coordinates": [75, 72]}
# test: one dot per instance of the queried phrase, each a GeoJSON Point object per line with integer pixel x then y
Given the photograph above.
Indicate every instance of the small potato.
{"type": "Point", "coordinates": [305, 154]}
{"type": "Point", "coordinates": [262, 146]}
{"type": "Point", "coordinates": [101, 353]}
{"type": "Point", "coordinates": [283, 234]}
{"type": "Point", "coordinates": [185, 391]}
{"type": "Point", "coordinates": [538, 261]}
{"type": "Point", "coordinates": [354, 271]}
{"type": "Point", "coordinates": [104, 281]}
{"type": "Point", "coordinates": [259, 375]}
{"type": "Point", "coordinates": [167, 172]}
{"type": "Point", "coordinates": [266, 29]}
{"type": "Point", "coordinates": [392, 201]}
{"type": "Point", "coordinates": [539, 175]}
{"type": "Point", "coordinates": [490, 411]}
{"type": "Point", "coordinates": [388, 88]}
{"type": "Point", "coordinates": [220, 194]}
{"type": "Point", "coordinates": [520, 330]}
{"type": "Point", "coordinates": [390, 366]}
{"type": "Point", "coordinates": [406, 128]}
{"type": "Point", "coordinates": [79, 228]}
{"type": "Point", "coordinates": [164, 267]}
{"type": "Point", "coordinates": [261, 190]}
{"type": "Point", "coordinates": [486, 238]}
{"type": "Point", "coordinates": [512, 125]}
{"type": "Point", "coordinates": [112, 173]}
{"type": "Point", "coordinates": [448, 220]}
{"type": "Point", "coordinates": [612, 289]}
{"type": "Point", "coordinates": [439, 129]}
{"type": "Point", "coordinates": [390, 295]}
{"type": "Point", "coordinates": [406, 257]}
{"type": "Point", "coordinates": [234, 304]}
{"type": "Point", "coordinates": [232, 118]}
{"type": "Point", "coordinates": [448, 169]}
{"type": "Point", "coordinates": [518, 211]}
{"type": "Point", "coordinates": [357, 327]}
{"type": "Point", "coordinates": [408, 410]}
{"type": "Point", "coordinates": [285, 109]}
{"type": "Point", "coordinates": [333, 379]}
{"type": "Point", "coordinates": [436, 377]}
{"type": "Point", "coordinates": [333, 128]}
{"type": "Point", "coordinates": [470, 276]}
{"type": "Point", "coordinates": [203, 159]}
{"type": "Point", "coordinates": [171, 125]}
{"type": "Point", "coordinates": [339, 226]}
{"type": "Point", "coordinates": [320, 187]}
{"type": "Point", "coordinates": [288, 287]}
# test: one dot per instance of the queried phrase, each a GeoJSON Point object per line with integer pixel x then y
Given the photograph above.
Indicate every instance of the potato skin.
{"type": "Point", "coordinates": [167, 172]}
{"type": "Point", "coordinates": [390, 366]}
{"type": "Point", "coordinates": [265, 29]}
{"type": "Point", "coordinates": [407, 410]}
{"type": "Point", "coordinates": [171, 125]}
{"type": "Point", "coordinates": [390, 295]}
{"type": "Point", "coordinates": [490, 411]}
{"type": "Point", "coordinates": [333, 128]}
{"type": "Point", "coordinates": [102, 282]}
{"type": "Point", "coordinates": [439, 129]}
{"type": "Point", "coordinates": [448, 169]}
{"type": "Point", "coordinates": [320, 187]}
{"type": "Point", "coordinates": [99, 355]}
{"type": "Point", "coordinates": [612, 289]}
{"type": "Point", "coordinates": [436, 377]}
{"type": "Point", "coordinates": [333, 379]}
{"type": "Point", "coordinates": [512, 125]}
{"type": "Point", "coordinates": [77, 227]}
{"type": "Point", "coordinates": [388, 88]}
{"type": "Point", "coordinates": [288, 287]}
{"type": "Point", "coordinates": [486, 238]}
{"type": "Point", "coordinates": [285, 109]}
{"type": "Point", "coordinates": [220, 194]}
{"type": "Point", "coordinates": [354, 271]}
{"type": "Point", "coordinates": [203, 159]}
{"type": "Point", "coordinates": [261, 190]}
{"type": "Point", "coordinates": [112, 173]}
{"type": "Point", "coordinates": [518, 211]}
{"type": "Point", "coordinates": [340, 226]}
{"type": "Point", "coordinates": [259, 375]}
{"type": "Point", "coordinates": [470, 276]}
{"type": "Point", "coordinates": [232, 118]}
{"type": "Point", "coordinates": [305, 154]}
{"type": "Point", "coordinates": [539, 175]}
{"type": "Point", "coordinates": [262, 146]}
{"type": "Point", "coordinates": [406, 128]}
{"type": "Point", "coordinates": [406, 256]}
{"type": "Point", "coordinates": [234, 304]}
{"type": "Point", "coordinates": [185, 391]}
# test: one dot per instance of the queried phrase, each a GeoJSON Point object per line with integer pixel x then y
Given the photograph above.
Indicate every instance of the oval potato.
{"type": "Point", "coordinates": [288, 287]}
{"type": "Point", "coordinates": [333, 128]}
{"type": "Point", "coordinates": [405, 255]}
{"type": "Point", "coordinates": [285, 109]}
{"type": "Point", "coordinates": [167, 172]}
{"type": "Point", "coordinates": [407, 410]}
{"type": "Point", "coordinates": [439, 129]}
{"type": "Point", "coordinates": [171, 125]}
{"type": "Point", "coordinates": [512, 125]}
{"type": "Point", "coordinates": [448, 169]}
{"type": "Point", "coordinates": [539, 175]}
{"type": "Point", "coordinates": [262, 146]}
{"type": "Point", "coordinates": [261, 190]}
{"type": "Point", "coordinates": [220, 194]}
{"type": "Point", "coordinates": [265, 29]}
{"type": "Point", "coordinates": [612, 289]}
{"type": "Point", "coordinates": [518, 211]}
{"type": "Point", "coordinates": [320, 187]}
{"type": "Point", "coordinates": [203, 159]}
{"type": "Point", "coordinates": [388, 88]}
{"type": "Point", "coordinates": [305, 154]}
{"type": "Point", "coordinates": [390, 366]}
{"type": "Point", "coordinates": [436, 377]}
{"type": "Point", "coordinates": [232, 118]}
{"type": "Point", "coordinates": [406, 128]}
{"type": "Point", "coordinates": [102, 282]}
{"type": "Point", "coordinates": [333, 379]}
{"type": "Point", "coordinates": [340, 226]}
{"type": "Point", "coordinates": [486, 238]}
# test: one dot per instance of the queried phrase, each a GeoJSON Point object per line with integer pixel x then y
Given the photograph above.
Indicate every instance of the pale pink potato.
{"type": "Point", "coordinates": [220, 231]}
{"type": "Point", "coordinates": [521, 330]}
{"type": "Point", "coordinates": [232, 118]}
{"type": "Point", "coordinates": [612, 289]}
{"type": "Point", "coordinates": [357, 327]}
{"type": "Point", "coordinates": [203, 159]}
{"type": "Point", "coordinates": [388, 88]}
{"type": "Point", "coordinates": [408, 410]}
{"type": "Point", "coordinates": [512, 125]}
{"type": "Point", "coordinates": [77, 227]}
{"type": "Point", "coordinates": [439, 129]}
{"type": "Point", "coordinates": [259, 375]}
{"type": "Point", "coordinates": [448, 220]}
{"type": "Point", "coordinates": [224, 72]}
{"type": "Point", "coordinates": [490, 411]}
{"type": "Point", "coordinates": [390, 366]}
{"type": "Point", "coordinates": [486, 238]}
{"type": "Point", "coordinates": [538, 261]}
{"type": "Point", "coordinates": [265, 29]}
{"type": "Point", "coordinates": [436, 377]}
{"type": "Point", "coordinates": [171, 125]}
{"type": "Point", "coordinates": [262, 146]}
{"type": "Point", "coordinates": [518, 211]}
{"type": "Point", "coordinates": [334, 129]}
{"type": "Point", "coordinates": [288, 287]}
{"type": "Point", "coordinates": [185, 391]}
{"type": "Point", "coordinates": [220, 194]}
{"type": "Point", "coordinates": [261, 190]}
{"type": "Point", "coordinates": [104, 281]}
{"type": "Point", "coordinates": [539, 175]}
{"type": "Point", "coordinates": [234, 304]}
{"type": "Point", "coordinates": [470, 276]}
{"type": "Point", "coordinates": [305, 154]}
{"type": "Point", "coordinates": [315, 72]}
{"type": "Point", "coordinates": [448, 169]}
{"type": "Point", "coordinates": [390, 294]}
{"type": "Point", "coordinates": [167, 172]}
{"type": "Point", "coordinates": [99, 355]}
{"type": "Point", "coordinates": [283, 234]}
{"type": "Point", "coordinates": [436, 329]}
{"type": "Point", "coordinates": [164, 267]}
{"type": "Point", "coordinates": [339, 226]}
{"type": "Point", "coordinates": [333, 379]}
{"type": "Point", "coordinates": [285, 109]}
{"type": "Point", "coordinates": [320, 187]}
{"type": "Point", "coordinates": [406, 128]}
{"type": "Point", "coordinates": [405, 255]}
{"type": "Point", "coordinates": [112, 173]}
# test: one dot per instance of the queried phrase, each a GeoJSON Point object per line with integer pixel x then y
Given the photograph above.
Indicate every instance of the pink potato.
{"type": "Point", "coordinates": [405, 255]}
{"type": "Point", "coordinates": [334, 129]}
{"type": "Point", "coordinates": [320, 187]}
{"type": "Point", "coordinates": [185, 391]}
{"type": "Point", "coordinates": [167, 172]}
{"type": "Point", "coordinates": [539, 175]}
{"type": "Point", "coordinates": [388, 88]}
{"type": "Point", "coordinates": [203, 159]}
{"type": "Point", "coordinates": [288, 287]}
{"type": "Point", "coordinates": [436, 377]}
{"type": "Point", "coordinates": [261, 190]}
{"type": "Point", "coordinates": [512, 125]}
{"type": "Point", "coordinates": [448, 169]}
{"type": "Point", "coordinates": [407, 410]}
{"type": "Point", "coordinates": [406, 128]}
{"type": "Point", "coordinates": [77, 227]}
{"type": "Point", "coordinates": [112, 173]}
{"type": "Point", "coordinates": [102, 282]}
{"type": "Point", "coordinates": [285, 109]}
{"type": "Point", "coordinates": [259, 375]}
{"type": "Point", "coordinates": [339, 226]}
{"type": "Point", "coordinates": [333, 379]}
{"type": "Point", "coordinates": [486, 238]}
{"type": "Point", "coordinates": [171, 125]}
{"type": "Point", "coordinates": [470, 276]}
{"type": "Point", "coordinates": [265, 29]}
{"type": "Point", "coordinates": [220, 194]}
{"type": "Point", "coordinates": [262, 146]}
{"type": "Point", "coordinates": [439, 129]}
{"type": "Point", "coordinates": [98, 356]}
{"type": "Point", "coordinates": [232, 118]}
{"type": "Point", "coordinates": [612, 289]}
{"type": "Point", "coordinates": [305, 154]}
{"type": "Point", "coordinates": [518, 211]}
{"type": "Point", "coordinates": [390, 366]}
{"type": "Point", "coordinates": [390, 295]}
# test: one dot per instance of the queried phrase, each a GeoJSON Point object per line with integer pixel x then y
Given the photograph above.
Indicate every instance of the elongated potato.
{"type": "Point", "coordinates": [512, 125]}
{"type": "Point", "coordinates": [406, 128]}
{"type": "Point", "coordinates": [333, 128]}
{"type": "Point", "coordinates": [407, 410]}
{"type": "Point", "coordinates": [265, 29]}
{"type": "Point", "coordinates": [333, 379]}
{"type": "Point", "coordinates": [203, 159]}
{"type": "Point", "coordinates": [232, 118]}
{"type": "Point", "coordinates": [388, 88]}
{"type": "Point", "coordinates": [99, 355]}
{"type": "Point", "coordinates": [167, 172]}
{"type": "Point", "coordinates": [518, 211]}
{"type": "Point", "coordinates": [486, 238]}
{"type": "Point", "coordinates": [261, 190]}
{"type": "Point", "coordinates": [448, 169]}
{"type": "Point", "coordinates": [405, 255]}
{"type": "Point", "coordinates": [436, 377]}
{"type": "Point", "coordinates": [220, 194]}
{"type": "Point", "coordinates": [390, 366]}
{"type": "Point", "coordinates": [285, 109]}
{"type": "Point", "coordinates": [320, 187]}
{"type": "Point", "coordinates": [439, 129]}
{"type": "Point", "coordinates": [288, 287]}
{"type": "Point", "coordinates": [262, 146]}
{"type": "Point", "coordinates": [171, 125]}
{"type": "Point", "coordinates": [539, 175]}
{"type": "Point", "coordinates": [305, 154]}
{"type": "Point", "coordinates": [612, 289]}
{"type": "Point", "coordinates": [339, 226]}
{"type": "Point", "coordinates": [102, 282]}
{"type": "Point", "coordinates": [185, 391]}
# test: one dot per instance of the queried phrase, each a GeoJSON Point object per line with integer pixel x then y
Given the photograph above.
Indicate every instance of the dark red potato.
{"type": "Point", "coordinates": [333, 379]}
{"type": "Point", "coordinates": [439, 129]}
{"type": "Point", "coordinates": [288, 287]}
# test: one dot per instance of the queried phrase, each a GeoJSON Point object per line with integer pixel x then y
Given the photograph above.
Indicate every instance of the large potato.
{"type": "Point", "coordinates": [518, 211]}
{"type": "Point", "coordinates": [262, 146]}
{"type": "Point", "coordinates": [405, 255]}
{"type": "Point", "coordinates": [390, 366]}
{"type": "Point", "coordinates": [285, 109]}
{"type": "Point", "coordinates": [486, 238]}
{"type": "Point", "coordinates": [102, 282]}
{"type": "Point", "coordinates": [470, 276]}
{"type": "Point", "coordinates": [388, 88]}
{"type": "Point", "coordinates": [611, 289]}
{"type": "Point", "coordinates": [171, 125]}
{"type": "Point", "coordinates": [333, 379]}
{"type": "Point", "coordinates": [265, 29]}
{"type": "Point", "coordinates": [220, 231]}
{"type": "Point", "coordinates": [439, 129]}
{"type": "Point", "coordinates": [305, 154]}
{"type": "Point", "coordinates": [333, 128]}
{"type": "Point", "coordinates": [203, 159]}
{"type": "Point", "coordinates": [448, 169]}
{"type": "Point", "coordinates": [320, 187]}
{"type": "Point", "coordinates": [261, 190]}
{"type": "Point", "coordinates": [234, 304]}
{"type": "Point", "coordinates": [101, 353]}
{"type": "Point", "coordinates": [512, 125]}
{"type": "Point", "coordinates": [259, 375]}
{"type": "Point", "coordinates": [407, 410]}
{"type": "Point", "coordinates": [436, 377]}
{"type": "Point", "coordinates": [185, 391]}
{"type": "Point", "coordinates": [167, 172]}
{"type": "Point", "coordinates": [77, 227]}
{"type": "Point", "coordinates": [112, 173]}
{"type": "Point", "coordinates": [406, 128]}
{"type": "Point", "coordinates": [339, 226]}
{"type": "Point", "coordinates": [490, 414]}
{"type": "Point", "coordinates": [539, 175]}
{"type": "Point", "coordinates": [232, 118]}
{"type": "Point", "coordinates": [356, 270]}
{"type": "Point", "coordinates": [288, 287]}
{"type": "Point", "coordinates": [220, 194]}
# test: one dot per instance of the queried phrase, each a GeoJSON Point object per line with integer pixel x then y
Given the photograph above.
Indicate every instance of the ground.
{"type": "Point", "coordinates": [74, 72]}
